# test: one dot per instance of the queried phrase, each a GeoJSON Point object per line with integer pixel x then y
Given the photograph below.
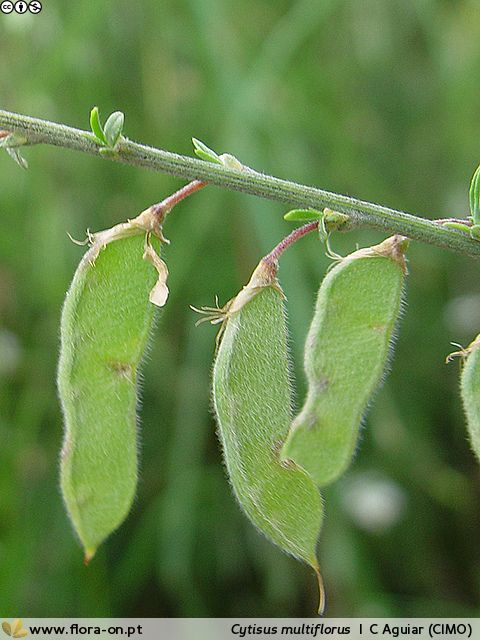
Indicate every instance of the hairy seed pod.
{"type": "Point", "coordinates": [470, 390]}
{"type": "Point", "coordinates": [106, 321]}
{"type": "Point", "coordinates": [346, 353]}
{"type": "Point", "coordinates": [252, 400]}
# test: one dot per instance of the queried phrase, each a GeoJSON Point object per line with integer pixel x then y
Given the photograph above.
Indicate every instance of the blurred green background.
{"type": "Point", "coordinates": [375, 99]}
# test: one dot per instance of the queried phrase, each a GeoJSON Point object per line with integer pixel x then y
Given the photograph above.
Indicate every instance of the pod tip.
{"type": "Point", "coordinates": [89, 553]}
{"type": "Point", "coordinates": [321, 591]}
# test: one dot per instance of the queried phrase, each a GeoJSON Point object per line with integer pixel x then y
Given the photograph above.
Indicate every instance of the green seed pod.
{"type": "Point", "coordinates": [252, 400]}
{"type": "Point", "coordinates": [470, 390]}
{"type": "Point", "coordinates": [106, 321]}
{"type": "Point", "coordinates": [346, 352]}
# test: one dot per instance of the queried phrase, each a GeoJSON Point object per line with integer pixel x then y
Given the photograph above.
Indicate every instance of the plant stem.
{"type": "Point", "coordinates": [364, 214]}
{"type": "Point", "coordinates": [161, 209]}
{"type": "Point", "coordinates": [296, 234]}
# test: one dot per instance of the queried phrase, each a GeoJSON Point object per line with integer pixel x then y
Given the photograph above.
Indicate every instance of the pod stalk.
{"type": "Point", "coordinates": [163, 208]}
{"type": "Point", "coordinates": [296, 234]}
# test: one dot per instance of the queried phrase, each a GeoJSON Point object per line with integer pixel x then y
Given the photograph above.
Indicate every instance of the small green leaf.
{"type": "Point", "coordinates": [458, 226]}
{"type": "Point", "coordinates": [96, 126]}
{"type": "Point", "coordinates": [301, 215]}
{"type": "Point", "coordinates": [474, 196]}
{"type": "Point", "coordinates": [205, 153]}
{"type": "Point", "coordinates": [15, 154]}
{"type": "Point", "coordinates": [113, 128]}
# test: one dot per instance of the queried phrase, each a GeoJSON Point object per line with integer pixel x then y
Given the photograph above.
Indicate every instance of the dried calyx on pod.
{"type": "Point", "coordinates": [148, 225]}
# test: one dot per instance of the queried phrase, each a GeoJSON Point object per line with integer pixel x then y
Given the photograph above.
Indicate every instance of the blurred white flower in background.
{"type": "Point", "coordinates": [10, 353]}
{"type": "Point", "coordinates": [373, 501]}
{"type": "Point", "coordinates": [461, 316]}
